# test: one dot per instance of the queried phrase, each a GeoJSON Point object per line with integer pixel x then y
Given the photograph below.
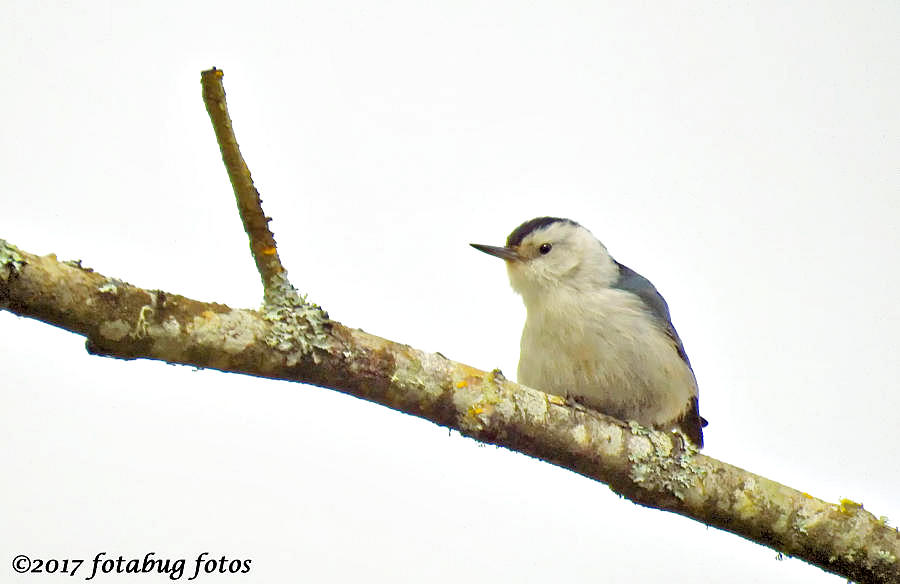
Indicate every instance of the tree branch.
{"type": "Point", "coordinates": [296, 341]}
{"type": "Point", "coordinates": [649, 467]}
{"type": "Point", "coordinates": [256, 224]}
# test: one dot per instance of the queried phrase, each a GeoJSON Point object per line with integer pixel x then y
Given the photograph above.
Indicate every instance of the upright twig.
{"type": "Point", "coordinates": [256, 224]}
{"type": "Point", "coordinates": [293, 340]}
{"type": "Point", "coordinates": [298, 326]}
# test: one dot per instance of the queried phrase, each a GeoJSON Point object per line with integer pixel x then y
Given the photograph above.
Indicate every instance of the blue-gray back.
{"type": "Point", "coordinates": [631, 281]}
{"type": "Point", "coordinates": [691, 422]}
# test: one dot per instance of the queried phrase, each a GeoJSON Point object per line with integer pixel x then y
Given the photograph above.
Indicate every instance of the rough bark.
{"type": "Point", "coordinates": [652, 468]}
{"type": "Point", "coordinates": [292, 339]}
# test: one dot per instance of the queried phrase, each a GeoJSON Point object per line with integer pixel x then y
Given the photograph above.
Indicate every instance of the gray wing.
{"type": "Point", "coordinates": [631, 281]}
{"type": "Point", "coordinates": [691, 422]}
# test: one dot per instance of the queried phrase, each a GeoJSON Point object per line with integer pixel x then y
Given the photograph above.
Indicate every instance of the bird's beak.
{"type": "Point", "coordinates": [505, 253]}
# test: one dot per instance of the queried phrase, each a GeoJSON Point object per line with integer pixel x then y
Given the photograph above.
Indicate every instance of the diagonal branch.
{"type": "Point", "coordinates": [645, 466]}
{"type": "Point", "coordinates": [293, 340]}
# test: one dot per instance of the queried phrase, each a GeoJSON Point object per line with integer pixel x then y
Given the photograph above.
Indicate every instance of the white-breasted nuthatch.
{"type": "Point", "coordinates": [597, 331]}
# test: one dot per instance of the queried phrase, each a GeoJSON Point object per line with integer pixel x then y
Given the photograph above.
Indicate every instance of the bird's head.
{"type": "Point", "coordinates": [549, 255]}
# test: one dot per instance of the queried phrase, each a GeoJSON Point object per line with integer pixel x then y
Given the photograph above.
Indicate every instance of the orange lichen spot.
{"type": "Point", "coordinates": [270, 251]}
{"type": "Point", "coordinates": [472, 377]}
{"type": "Point", "coordinates": [807, 495]}
{"type": "Point", "coordinates": [848, 506]}
{"type": "Point", "coordinates": [481, 408]}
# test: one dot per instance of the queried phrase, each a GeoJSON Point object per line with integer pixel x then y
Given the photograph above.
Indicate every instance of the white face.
{"type": "Point", "coordinates": [559, 255]}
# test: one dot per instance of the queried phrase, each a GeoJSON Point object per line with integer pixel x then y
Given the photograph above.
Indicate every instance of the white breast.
{"type": "Point", "coordinates": [609, 354]}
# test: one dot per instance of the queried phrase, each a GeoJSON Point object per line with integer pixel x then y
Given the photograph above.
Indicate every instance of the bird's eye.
{"type": "Point", "coordinates": [545, 248]}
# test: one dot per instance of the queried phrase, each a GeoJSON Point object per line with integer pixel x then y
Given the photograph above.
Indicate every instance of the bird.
{"type": "Point", "coordinates": [596, 331]}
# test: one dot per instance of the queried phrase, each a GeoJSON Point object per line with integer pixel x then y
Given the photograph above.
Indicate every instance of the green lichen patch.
{"type": "Point", "coordinates": [299, 327]}
{"type": "Point", "coordinates": [657, 466]}
{"type": "Point", "coordinates": [885, 557]}
{"type": "Point", "coordinates": [111, 286]}
{"type": "Point", "coordinates": [11, 260]}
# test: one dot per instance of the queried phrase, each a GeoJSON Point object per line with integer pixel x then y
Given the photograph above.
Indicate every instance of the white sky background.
{"type": "Point", "coordinates": [743, 158]}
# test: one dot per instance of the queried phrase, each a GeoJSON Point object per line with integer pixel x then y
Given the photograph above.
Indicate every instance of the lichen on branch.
{"type": "Point", "coordinates": [293, 339]}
